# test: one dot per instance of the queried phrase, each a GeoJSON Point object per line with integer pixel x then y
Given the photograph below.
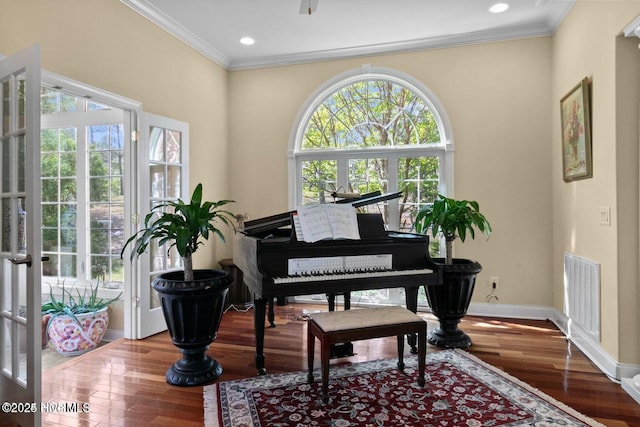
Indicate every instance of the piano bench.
{"type": "Point", "coordinates": [352, 325]}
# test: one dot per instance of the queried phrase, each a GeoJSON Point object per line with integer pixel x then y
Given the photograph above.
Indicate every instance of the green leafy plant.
{"type": "Point", "coordinates": [73, 304]}
{"type": "Point", "coordinates": [181, 225]}
{"type": "Point", "coordinates": [452, 218]}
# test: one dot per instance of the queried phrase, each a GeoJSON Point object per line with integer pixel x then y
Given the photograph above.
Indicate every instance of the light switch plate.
{"type": "Point", "coordinates": [605, 215]}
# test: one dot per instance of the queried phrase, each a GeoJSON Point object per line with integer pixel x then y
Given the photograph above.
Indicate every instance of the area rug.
{"type": "Point", "coordinates": [461, 390]}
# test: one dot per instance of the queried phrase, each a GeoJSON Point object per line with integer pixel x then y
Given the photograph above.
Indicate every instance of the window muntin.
{"type": "Point", "coordinates": [317, 174]}
{"type": "Point", "coordinates": [373, 133]}
{"type": "Point", "coordinates": [105, 152]}
{"type": "Point", "coordinates": [82, 162]}
{"type": "Point", "coordinates": [59, 201]}
{"type": "Point", "coordinates": [165, 172]}
{"type": "Point", "coordinates": [373, 129]}
{"type": "Point", "coordinates": [419, 176]}
{"type": "Point", "coordinates": [371, 113]}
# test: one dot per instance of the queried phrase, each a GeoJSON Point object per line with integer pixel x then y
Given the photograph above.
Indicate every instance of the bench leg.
{"type": "Point", "coordinates": [401, 352]}
{"type": "Point", "coordinates": [311, 348]}
{"type": "Point", "coordinates": [325, 350]}
{"type": "Point", "coordinates": [422, 354]}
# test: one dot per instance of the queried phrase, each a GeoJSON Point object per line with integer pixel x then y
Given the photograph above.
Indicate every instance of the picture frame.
{"type": "Point", "coordinates": [575, 117]}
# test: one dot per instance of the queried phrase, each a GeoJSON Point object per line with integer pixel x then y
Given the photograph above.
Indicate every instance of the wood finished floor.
{"type": "Point", "coordinates": [124, 381]}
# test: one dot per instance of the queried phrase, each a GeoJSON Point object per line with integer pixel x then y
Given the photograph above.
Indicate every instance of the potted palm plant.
{"type": "Point", "coordinates": [192, 300]}
{"type": "Point", "coordinates": [76, 322]}
{"type": "Point", "coordinates": [452, 219]}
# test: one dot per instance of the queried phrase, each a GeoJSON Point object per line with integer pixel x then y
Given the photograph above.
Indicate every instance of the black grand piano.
{"type": "Point", "coordinates": [275, 264]}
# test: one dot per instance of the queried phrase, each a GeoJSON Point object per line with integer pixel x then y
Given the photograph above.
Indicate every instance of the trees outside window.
{"type": "Point", "coordinates": [373, 130]}
{"type": "Point", "coordinates": [82, 160]}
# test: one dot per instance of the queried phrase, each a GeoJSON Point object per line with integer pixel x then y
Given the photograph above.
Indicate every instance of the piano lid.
{"type": "Point", "coordinates": [266, 224]}
{"type": "Point", "coordinates": [371, 199]}
{"type": "Point", "coordinates": [273, 222]}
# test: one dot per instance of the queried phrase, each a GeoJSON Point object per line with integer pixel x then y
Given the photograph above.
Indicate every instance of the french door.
{"type": "Point", "coordinates": [20, 240]}
{"type": "Point", "coordinates": [164, 175]}
{"type": "Point", "coordinates": [154, 153]}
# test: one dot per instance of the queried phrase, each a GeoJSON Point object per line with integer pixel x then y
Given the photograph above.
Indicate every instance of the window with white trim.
{"type": "Point", "coordinates": [373, 130]}
{"type": "Point", "coordinates": [82, 152]}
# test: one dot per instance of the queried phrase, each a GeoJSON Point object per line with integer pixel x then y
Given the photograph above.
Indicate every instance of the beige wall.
{"type": "Point", "coordinates": [502, 100]}
{"type": "Point", "coordinates": [588, 43]}
{"type": "Point", "coordinates": [497, 97]}
{"type": "Point", "coordinates": [105, 44]}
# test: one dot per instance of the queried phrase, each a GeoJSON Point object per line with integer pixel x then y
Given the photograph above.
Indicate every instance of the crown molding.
{"type": "Point", "coordinates": [168, 24]}
{"type": "Point", "coordinates": [391, 48]}
{"type": "Point", "coordinates": [561, 11]}
{"type": "Point", "coordinates": [144, 8]}
{"type": "Point", "coordinates": [630, 30]}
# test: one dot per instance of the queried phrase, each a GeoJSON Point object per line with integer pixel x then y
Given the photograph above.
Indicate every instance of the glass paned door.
{"type": "Point", "coordinates": [164, 150]}
{"type": "Point", "coordinates": [20, 253]}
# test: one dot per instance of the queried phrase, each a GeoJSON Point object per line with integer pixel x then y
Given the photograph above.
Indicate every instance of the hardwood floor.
{"type": "Point", "coordinates": [124, 382]}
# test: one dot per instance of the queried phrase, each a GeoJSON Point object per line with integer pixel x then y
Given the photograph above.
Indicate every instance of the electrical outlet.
{"type": "Point", "coordinates": [494, 282]}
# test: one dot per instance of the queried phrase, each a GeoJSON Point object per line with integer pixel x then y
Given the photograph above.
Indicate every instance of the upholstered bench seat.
{"type": "Point", "coordinates": [352, 325]}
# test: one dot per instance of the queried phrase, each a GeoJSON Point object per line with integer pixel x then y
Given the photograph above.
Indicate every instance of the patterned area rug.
{"type": "Point", "coordinates": [461, 391]}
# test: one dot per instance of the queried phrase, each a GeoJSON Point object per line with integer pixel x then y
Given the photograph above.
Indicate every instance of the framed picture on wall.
{"type": "Point", "coordinates": [576, 133]}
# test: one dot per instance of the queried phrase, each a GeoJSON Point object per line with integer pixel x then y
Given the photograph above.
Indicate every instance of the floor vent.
{"type": "Point", "coordinates": [582, 293]}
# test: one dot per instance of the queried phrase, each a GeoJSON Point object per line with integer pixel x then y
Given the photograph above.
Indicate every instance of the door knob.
{"type": "Point", "coordinates": [25, 260]}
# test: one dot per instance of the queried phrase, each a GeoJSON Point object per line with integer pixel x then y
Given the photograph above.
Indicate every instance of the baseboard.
{"type": "Point", "coordinates": [112, 335]}
{"type": "Point", "coordinates": [628, 385]}
{"type": "Point", "coordinates": [510, 311]}
{"type": "Point", "coordinates": [592, 349]}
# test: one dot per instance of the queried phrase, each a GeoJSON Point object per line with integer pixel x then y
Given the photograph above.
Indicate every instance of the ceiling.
{"type": "Point", "coordinates": [342, 28]}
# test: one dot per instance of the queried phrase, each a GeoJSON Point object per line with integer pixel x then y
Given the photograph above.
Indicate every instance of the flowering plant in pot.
{"type": "Point", "coordinates": [192, 300]}
{"type": "Point", "coordinates": [452, 219]}
{"type": "Point", "coordinates": [76, 323]}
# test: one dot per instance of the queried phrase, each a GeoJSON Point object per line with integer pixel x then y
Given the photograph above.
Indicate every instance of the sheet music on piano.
{"type": "Point", "coordinates": [326, 221]}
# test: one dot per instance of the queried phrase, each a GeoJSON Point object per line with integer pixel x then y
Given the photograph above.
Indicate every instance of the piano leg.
{"type": "Point", "coordinates": [272, 314]}
{"type": "Point", "coordinates": [411, 297]}
{"type": "Point", "coordinates": [259, 309]}
{"type": "Point", "coordinates": [331, 300]}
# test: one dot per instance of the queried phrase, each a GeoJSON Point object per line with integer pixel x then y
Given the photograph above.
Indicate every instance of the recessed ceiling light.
{"type": "Point", "coordinates": [247, 41]}
{"type": "Point", "coordinates": [498, 8]}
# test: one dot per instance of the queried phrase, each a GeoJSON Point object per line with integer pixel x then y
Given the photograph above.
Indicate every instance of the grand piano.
{"type": "Point", "coordinates": [276, 265]}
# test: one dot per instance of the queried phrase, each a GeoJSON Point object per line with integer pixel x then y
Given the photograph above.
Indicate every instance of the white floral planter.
{"type": "Point", "coordinates": [72, 339]}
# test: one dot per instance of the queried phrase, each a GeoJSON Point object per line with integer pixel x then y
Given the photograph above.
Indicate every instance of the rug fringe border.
{"type": "Point", "coordinates": [568, 409]}
{"type": "Point", "coordinates": [212, 405]}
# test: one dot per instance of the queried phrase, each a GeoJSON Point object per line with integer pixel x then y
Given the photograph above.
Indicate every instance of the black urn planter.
{"type": "Point", "coordinates": [449, 302]}
{"type": "Point", "coordinates": [193, 311]}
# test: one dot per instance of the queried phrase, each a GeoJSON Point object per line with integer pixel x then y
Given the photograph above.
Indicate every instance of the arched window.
{"type": "Point", "coordinates": [367, 130]}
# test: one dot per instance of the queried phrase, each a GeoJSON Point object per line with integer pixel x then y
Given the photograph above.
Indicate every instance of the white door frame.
{"type": "Point", "coordinates": [21, 385]}
{"type": "Point", "coordinates": [135, 160]}
{"type": "Point", "coordinates": [148, 312]}
{"type": "Point", "coordinates": [134, 108]}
